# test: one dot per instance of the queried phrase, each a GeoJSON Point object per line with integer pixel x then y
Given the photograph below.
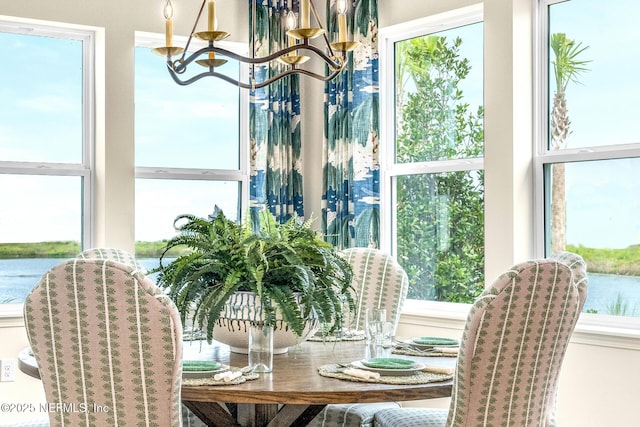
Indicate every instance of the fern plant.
{"type": "Point", "coordinates": [291, 269]}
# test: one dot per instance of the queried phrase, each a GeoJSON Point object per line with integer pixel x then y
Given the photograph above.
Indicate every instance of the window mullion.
{"type": "Point", "coordinates": [43, 168]}
{"type": "Point", "coordinates": [592, 153]}
{"type": "Point", "coordinates": [185, 173]}
{"type": "Point", "coordinates": [440, 166]}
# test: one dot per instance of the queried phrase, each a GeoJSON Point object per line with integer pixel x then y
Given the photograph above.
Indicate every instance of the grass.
{"type": "Point", "coordinates": [621, 307]}
{"type": "Point", "coordinates": [155, 249]}
{"type": "Point", "coordinates": [625, 262]}
{"type": "Point", "coordinates": [61, 249]}
{"type": "Point", "coordinates": [69, 249]}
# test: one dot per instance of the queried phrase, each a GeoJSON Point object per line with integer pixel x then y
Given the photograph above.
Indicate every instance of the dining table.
{"type": "Point", "coordinates": [294, 392]}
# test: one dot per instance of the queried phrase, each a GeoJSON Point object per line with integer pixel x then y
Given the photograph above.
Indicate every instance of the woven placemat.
{"type": "Point", "coordinates": [194, 335]}
{"type": "Point", "coordinates": [334, 371]}
{"type": "Point", "coordinates": [409, 352]}
{"type": "Point", "coordinates": [210, 381]}
{"type": "Point", "coordinates": [331, 338]}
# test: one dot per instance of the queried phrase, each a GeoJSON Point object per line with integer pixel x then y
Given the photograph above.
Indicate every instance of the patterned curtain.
{"type": "Point", "coordinates": [274, 127]}
{"type": "Point", "coordinates": [351, 190]}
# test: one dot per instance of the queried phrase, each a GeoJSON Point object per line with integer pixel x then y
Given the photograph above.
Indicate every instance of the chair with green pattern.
{"type": "Point", "coordinates": [114, 254]}
{"type": "Point", "coordinates": [380, 282]}
{"type": "Point", "coordinates": [108, 344]}
{"type": "Point", "coordinates": [189, 419]}
{"type": "Point", "coordinates": [512, 348]}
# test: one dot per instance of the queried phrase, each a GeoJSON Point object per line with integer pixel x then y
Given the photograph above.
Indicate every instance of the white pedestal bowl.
{"type": "Point", "coordinates": [243, 308]}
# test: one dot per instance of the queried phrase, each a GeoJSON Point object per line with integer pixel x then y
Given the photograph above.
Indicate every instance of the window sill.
{"type": "Point", "coordinates": [11, 316]}
{"type": "Point", "coordinates": [608, 331]}
{"type": "Point", "coordinates": [592, 329]}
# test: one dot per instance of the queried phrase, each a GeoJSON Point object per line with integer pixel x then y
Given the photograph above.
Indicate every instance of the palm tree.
{"type": "Point", "coordinates": [566, 69]}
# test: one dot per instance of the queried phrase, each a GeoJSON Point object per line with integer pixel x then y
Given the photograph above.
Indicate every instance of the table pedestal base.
{"type": "Point", "coordinates": [253, 415]}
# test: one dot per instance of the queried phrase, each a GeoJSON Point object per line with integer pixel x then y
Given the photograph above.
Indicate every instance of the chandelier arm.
{"type": "Point", "coordinates": [324, 33]}
{"type": "Point", "coordinates": [182, 66]}
{"type": "Point", "coordinates": [197, 77]}
{"type": "Point", "coordinates": [211, 73]}
{"type": "Point", "coordinates": [193, 30]}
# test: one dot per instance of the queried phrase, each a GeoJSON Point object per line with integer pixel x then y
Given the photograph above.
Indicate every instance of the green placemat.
{"type": "Point", "coordinates": [334, 371]}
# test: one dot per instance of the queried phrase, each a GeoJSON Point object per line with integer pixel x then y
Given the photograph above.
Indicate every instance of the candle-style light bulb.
{"type": "Point", "coordinates": [341, 8]}
{"type": "Point", "coordinates": [291, 24]}
{"type": "Point", "coordinates": [212, 55]}
{"type": "Point", "coordinates": [167, 11]}
{"type": "Point", "coordinates": [211, 22]}
{"type": "Point", "coordinates": [305, 14]}
{"type": "Point", "coordinates": [291, 20]}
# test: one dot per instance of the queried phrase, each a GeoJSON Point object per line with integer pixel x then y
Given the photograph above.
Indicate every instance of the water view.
{"type": "Point", "coordinates": [18, 276]}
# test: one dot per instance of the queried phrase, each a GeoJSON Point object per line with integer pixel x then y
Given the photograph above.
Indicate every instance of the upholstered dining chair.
{"type": "Point", "coordinates": [380, 282]}
{"type": "Point", "coordinates": [189, 419]}
{"type": "Point", "coordinates": [108, 344]}
{"type": "Point", "coordinates": [114, 254]}
{"type": "Point", "coordinates": [511, 351]}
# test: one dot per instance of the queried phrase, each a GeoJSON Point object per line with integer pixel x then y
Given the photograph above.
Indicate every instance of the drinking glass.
{"type": "Point", "coordinates": [385, 345]}
{"type": "Point", "coordinates": [345, 330]}
{"type": "Point", "coordinates": [261, 348]}
{"type": "Point", "coordinates": [375, 319]}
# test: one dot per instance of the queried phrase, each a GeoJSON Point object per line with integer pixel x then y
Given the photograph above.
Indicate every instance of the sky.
{"type": "Point", "coordinates": [603, 198]}
{"type": "Point", "coordinates": [176, 126]}
{"type": "Point", "coordinates": [42, 106]}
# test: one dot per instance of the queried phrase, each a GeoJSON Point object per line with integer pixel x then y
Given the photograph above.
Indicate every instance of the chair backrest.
{"type": "Point", "coordinates": [113, 254]}
{"type": "Point", "coordinates": [513, 345]}
{"type": "Point", "coordinates": [108, 344]}
{"type": "Point", "coordinates": [579, 269]}
{"type": "Point", "coordinates": [379, 281]}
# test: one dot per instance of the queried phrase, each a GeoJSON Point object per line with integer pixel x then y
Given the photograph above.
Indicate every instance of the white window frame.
{"type": "Point", "coordinates": [447, 312]}
{"type": "Point", "coordinates": [85, 169]}
{"type": "Point", "coordinates": [240, 175]}
{"type": "Point", "coordinates": [597, 329]}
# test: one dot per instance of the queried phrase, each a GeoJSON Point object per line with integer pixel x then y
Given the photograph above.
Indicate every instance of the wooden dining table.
{"type": "Point", "coordinates": [294, 393]}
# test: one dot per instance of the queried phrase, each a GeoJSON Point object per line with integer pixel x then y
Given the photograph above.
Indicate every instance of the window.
{"type": "Point", "coordinates": [588, 155]}
{"type": "Point", "coordinates": [188, 153]}
{"type": "Point", "coordinates": [45, 152]}
{"type": "Point", "coordinates": [433, 167]}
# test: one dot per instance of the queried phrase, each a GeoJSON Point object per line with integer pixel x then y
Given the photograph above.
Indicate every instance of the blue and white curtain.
{"type": "Point", "coordinates": [351, 190]}
{"type": "Point", "coordinates": [274, 129]}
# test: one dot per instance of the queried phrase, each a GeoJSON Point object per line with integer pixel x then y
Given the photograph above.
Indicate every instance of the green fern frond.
{"type": "Point", "coordinates": [294, 272]}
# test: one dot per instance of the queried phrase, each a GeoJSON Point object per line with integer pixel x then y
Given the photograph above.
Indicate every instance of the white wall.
{"type": "Point", "coordinates": [25, 390]}
{"type": "Point", "coordinates": [599, 380]}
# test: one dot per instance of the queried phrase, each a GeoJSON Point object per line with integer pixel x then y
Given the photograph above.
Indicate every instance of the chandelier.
{"type": "Point", "coordinates": [296, 51]}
